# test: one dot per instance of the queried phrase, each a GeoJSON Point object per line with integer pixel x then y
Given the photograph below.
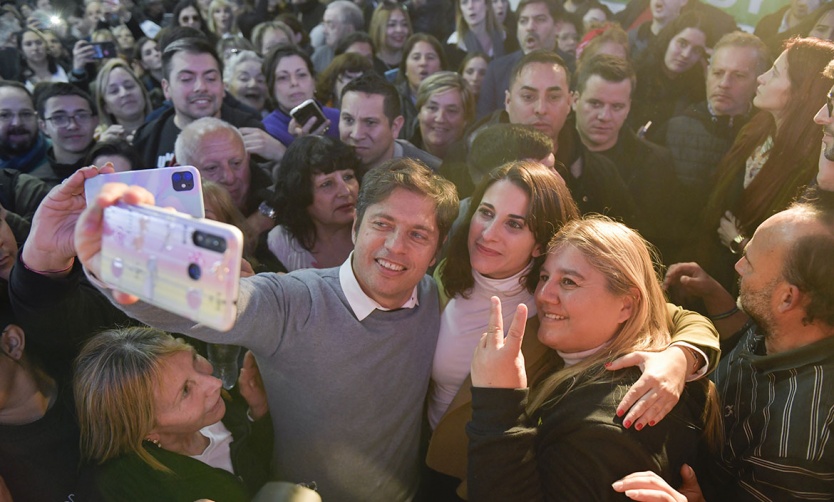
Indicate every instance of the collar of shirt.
{"type": "Point", "coordinates": [362, 304]}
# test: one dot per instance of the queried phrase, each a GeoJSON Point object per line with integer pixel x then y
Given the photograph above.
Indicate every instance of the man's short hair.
{"type": "Point", "coordinates": [54, 89]}
{"type": "Point", "coordinates": [412, 175]}
{"type": "Point", "coordinates": [190, 45]}
{"type": "Point", "coordinates": [374, 84]}
{"type": "Point", "coordinates": [538, 56]}
{"type": "Point", "coordinates": [16, 85]}
{"type": "Point", "coordinates": [553, 7]}
{"type": "Point", "coordinates": [808, 264]}
{"type": "Point", "coordinates": [498, 144]}
{"type": "Point", "coordinates": [350, 13]}
{"type": "Point", "coordinates": [743, 39]}
{"type": "Point", "coordinates": [610, 68]}
{"type": "Point", "coordinates": [188, 142]}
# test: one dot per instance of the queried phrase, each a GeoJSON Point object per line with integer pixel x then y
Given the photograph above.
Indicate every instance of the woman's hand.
{"type": "Point", "coordinates": [259, 142]}
{"type": "Point", "coordinates": [298, 131]}
{"type": "Point", "coordinates": [728, 228]}
{"type": "Point", "coordinates": [115, 132]}
{"type": "Point", "coordinates": [649, 487]}
{"type": "Point", "coordinates": [89, 227]}
{"type": "Point", "coordinates": [657, 391]}
{"type": "Point", "coordinates": [51, 241]}
{"type": "Point", "coordinates": [251, 386]}
{"type": "Point", "coordinates": [498, 362]}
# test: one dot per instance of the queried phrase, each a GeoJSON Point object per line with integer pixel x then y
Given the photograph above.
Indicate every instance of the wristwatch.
{"type": "Point", "coordinates": [267, 210]}
{"type": "Point", "coordinates": [736, 245]}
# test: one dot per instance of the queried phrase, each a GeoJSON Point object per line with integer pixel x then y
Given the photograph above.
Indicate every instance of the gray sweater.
{"type": "Point", "coordinates": [346, 397]}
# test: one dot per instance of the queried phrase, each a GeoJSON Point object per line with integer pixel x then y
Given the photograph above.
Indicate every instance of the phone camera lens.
{"type": "Point", "coordinates": [194, 271]}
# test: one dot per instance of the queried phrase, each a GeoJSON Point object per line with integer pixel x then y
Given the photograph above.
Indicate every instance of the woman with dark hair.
{"type": "Point", "coordinates": [773, 157]}
{"type": "Point", "coordinates": [424, 56]}
{"type": "Point", "coordinates": [147, 60]}
{"type": "Point", "coordinates": [187, 13]}
{"type": "Point", "coordinates": [36, 64]}
{"type": "Point", "coordinates": [671, 74]}
{"type": "Point", "coordinates": [340, 72]}
{"type": "Point", "coordinates": [477, 29]}
{"type": "Point", "coordinates": [315, 198]}
{"type": "Point", "coordinates": [473, 69]}
{"type": "Point", "coordinates": [290, 80]}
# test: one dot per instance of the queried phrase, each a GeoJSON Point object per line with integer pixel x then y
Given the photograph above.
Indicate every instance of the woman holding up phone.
{"type": "Point", "coordinates": [291, 82]}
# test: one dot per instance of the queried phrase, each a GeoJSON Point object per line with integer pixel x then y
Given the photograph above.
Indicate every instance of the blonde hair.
{"type": "Point", "coordinates": [379, 22]}
{"type": "Point", "coordinates": [443, 81]}
{"type": "Point", "coordinates": [115, 377]}
{"type": "Point", "coordinates": [627, 261]}
{"type": "Point", "coordinates": [100, 89]}
{"type": "Point", "coordinates": [216, 5]}
{"type": "Point", "coordinates": [462, 27]}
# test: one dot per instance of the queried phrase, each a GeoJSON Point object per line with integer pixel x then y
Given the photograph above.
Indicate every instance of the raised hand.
{"type": "Point", "coordinates": [498, 361]}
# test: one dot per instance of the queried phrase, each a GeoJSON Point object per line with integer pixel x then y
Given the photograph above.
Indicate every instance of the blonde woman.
{"type": "Point", "coordinates": [121, 100]}
{"type": "Point", "coordinates": [445, 106]}
{"type": "Point", "coordinates": [598, 298]}
{"type": "Point", "coordinates": [389, 29]}
{"type": "Point", "coordinates": [477, 31]}
{"type": "Point", "coordinates": [158, 425]}
{"type": "Point", "coordinates": [221, 18]}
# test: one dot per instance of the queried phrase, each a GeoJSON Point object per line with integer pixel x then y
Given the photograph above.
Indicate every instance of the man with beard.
{"type": "Point", "coordinates": [22, 147]}
{"type": "Point", "coordinates": [536, 30]}
{"type": "Point", "coordinates": [193, 81]}
{"type": "Point", "coordinates": [775, 380]}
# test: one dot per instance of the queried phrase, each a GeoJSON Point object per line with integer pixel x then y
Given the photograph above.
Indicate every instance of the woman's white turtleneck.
{"type": "Point", "coordinates": [462, 323]}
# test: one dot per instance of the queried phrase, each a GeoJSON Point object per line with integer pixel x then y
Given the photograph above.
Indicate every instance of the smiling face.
{"type": "Point", "coordinates": [71, 141]}
{"type": "Point", "coordinates": [685, 50]}
{"type": "Point", "coordinates": [334, 198]}
{"type": "Point", "coordinates": [536, 29]}
{"type": "Point", "coordinates": [186, 396]}
{"type": "Point", "coordinates": [396, 31]}
{"type": "Point", "coordinates": [195, 86]}
{"type": "Point", "coordinates": [421, 62]}
{"type": "Point", "coordinates": [474, 74]}
{"type": "Point", "coordinates": [123, 96]}
{"type": "Point", "coordinates": [774, 90]}
{"type": "Point", "coordinates": [576, 309]}
{"type": "Point", "coordinates": [601, 110]}
{"type": "Point", "coordinates": [500, 242]}
{"type": "Point", "coordinates": [395, 243]}
{"type": "Point", "coordinates": [293, 83]}
{"type": "Point", "coordinates": [539, 97]}
{"type": "Point", "coordinates": [731, 80]}
{"type": "Point", "coordinates": [248, 84]}
{"type": "Point", "coordinates": [442, 119]}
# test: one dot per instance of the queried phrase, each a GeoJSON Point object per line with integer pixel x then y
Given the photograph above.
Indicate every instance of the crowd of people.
{"type": "Point", "coordinates": [643, 199]}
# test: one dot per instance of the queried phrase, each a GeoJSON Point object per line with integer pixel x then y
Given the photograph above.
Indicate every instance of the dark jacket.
{"type": "Point", "coordinates": [574, 449]}
{"type": "Point", "coordinates": [20, 195]}
{"type": "Point", "coordinates": [496, 82]}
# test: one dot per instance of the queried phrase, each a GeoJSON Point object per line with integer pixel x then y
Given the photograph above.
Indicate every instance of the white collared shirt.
{"type": "Point", "coordinates": [362, 304]}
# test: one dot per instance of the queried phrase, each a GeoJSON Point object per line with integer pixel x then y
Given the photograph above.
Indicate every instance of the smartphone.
{"type": "Point", "coordinates": [187, 266]}
{"type": "Point", "coordinates": [104, 50]}
{"type": "Point", "coordinates": [307, 109]}
{"type": "Point", "coordinates": [178, 187]}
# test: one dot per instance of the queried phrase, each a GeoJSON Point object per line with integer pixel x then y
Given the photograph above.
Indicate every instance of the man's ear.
{"type": "Point", "coordinates": [507, 100]}
{"type": "Point", "coordinates": [13, 341]}
{"type": "Point", "coordinates": [165, 88]}
{"type": "Point", "coordinates": [42, 127]}
{"type": "Point", "coordinates": [789, 297]}
{"type": "Point", "coordinates": [574, 98]}
{"type": "Point", "coordinates": [396, 125]}
{"type": "Point", "coordinates": [354, 230]}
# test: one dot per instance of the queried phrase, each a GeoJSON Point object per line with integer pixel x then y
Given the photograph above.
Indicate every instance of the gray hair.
{"type": "Point", "coordinates": [743, 39]}
{"type": "Point", "coordinates": [350, 13]}
{"type": "Point", "coordinates": [236, 59]}
{"type": "Point", "coordinates": [188, 142]}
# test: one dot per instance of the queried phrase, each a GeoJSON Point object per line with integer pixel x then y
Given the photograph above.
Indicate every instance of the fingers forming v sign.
{"type": "Point", "coordinates": [498, 361]}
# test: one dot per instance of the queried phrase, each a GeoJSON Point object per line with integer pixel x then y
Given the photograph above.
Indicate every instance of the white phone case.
{"type": "Point", "coordinates": [187, 266]}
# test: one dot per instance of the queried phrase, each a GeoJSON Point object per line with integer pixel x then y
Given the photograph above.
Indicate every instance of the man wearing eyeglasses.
{"type": "Point", "coordinates": [66, 115]}
{"type": "Point", "coordinates": [22, 147]}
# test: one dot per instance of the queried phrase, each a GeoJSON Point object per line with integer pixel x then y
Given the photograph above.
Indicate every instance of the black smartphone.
{"type": "Point", "coordinates": [307, 109]}
{"type": "Point", "coordinates": [104, 50]}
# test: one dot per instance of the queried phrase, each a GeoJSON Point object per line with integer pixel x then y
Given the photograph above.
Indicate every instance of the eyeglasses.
{"type": "Point", "coordinates": [81, 118]}
{"type": "Point", "coordinates": [24, 116]}
{"type": "Point", "coordinates": [829, 104]}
